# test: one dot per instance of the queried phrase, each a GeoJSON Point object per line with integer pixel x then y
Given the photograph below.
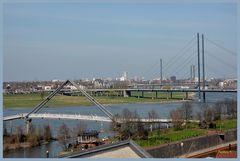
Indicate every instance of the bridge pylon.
{"type": "Point", "coordinates": [50, 96]}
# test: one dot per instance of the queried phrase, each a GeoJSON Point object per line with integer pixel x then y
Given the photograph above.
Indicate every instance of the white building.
{"type": "Point", "coordinates": [73, 88]}
{"type": "Point", "coordinates": [124, 76]}
{"type": "Point", "coordinates": [47, 88]}
{"type": "Point", "coordinates": [56, 80]}
{"type": "Point", "coordinates": [221, 84]}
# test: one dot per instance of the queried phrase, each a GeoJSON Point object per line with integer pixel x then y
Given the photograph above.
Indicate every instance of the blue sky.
{"type": "Point", "coordinates": [44, 41]}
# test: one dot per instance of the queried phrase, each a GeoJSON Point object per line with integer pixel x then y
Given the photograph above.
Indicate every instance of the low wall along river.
{"type": "Point", "coordinates": [177, 149]}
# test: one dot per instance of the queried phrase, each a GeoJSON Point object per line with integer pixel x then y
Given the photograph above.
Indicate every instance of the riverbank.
{"type": "Point", "coordinates": [14, 146]}
{"type": "Point", "coordinates": [166, 136]}
{"type": "Point", "coordinates": [31, 100]}
{"type": "Point", "coordinates": [184, 148]}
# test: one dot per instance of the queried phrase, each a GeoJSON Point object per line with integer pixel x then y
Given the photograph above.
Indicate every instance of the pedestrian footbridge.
{"type": "Point", "coordinates": [84, 117]}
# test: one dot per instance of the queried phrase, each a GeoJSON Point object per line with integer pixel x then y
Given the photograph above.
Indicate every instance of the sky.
{"type": "Point", "coordinates": [45, 41]}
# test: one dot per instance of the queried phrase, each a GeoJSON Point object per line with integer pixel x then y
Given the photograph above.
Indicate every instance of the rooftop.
{"type": "Point", "coordinates": [123, 149]}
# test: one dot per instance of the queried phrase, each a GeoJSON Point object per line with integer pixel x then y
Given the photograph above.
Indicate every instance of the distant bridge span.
{"type": "Point", "coordinates": [153, 90]}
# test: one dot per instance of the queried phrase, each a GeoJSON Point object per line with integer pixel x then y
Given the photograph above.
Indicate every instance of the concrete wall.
{"type": "Point", "coordinates": [190, 145]}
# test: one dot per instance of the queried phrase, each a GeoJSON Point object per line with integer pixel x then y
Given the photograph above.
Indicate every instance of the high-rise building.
{"type": "Point", "coordinates": [192, 72]}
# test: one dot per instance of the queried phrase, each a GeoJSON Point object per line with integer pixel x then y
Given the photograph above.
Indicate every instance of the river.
{"type": "Point", "coordinates": [162, 109]}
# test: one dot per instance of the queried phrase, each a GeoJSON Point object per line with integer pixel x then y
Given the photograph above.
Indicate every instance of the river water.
{"type": "Point", "coordinates": [162, 109]}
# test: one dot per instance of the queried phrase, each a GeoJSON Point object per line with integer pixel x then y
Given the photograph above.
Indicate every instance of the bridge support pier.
{"type": "Point", "coordinates": [28, 126]}
{"type": "Point", "coordinates": [142, 94]}
{"type": "Point", "coordinates": [126, 93]}
{"type": "Point", "coordinates": [156, 94]}
{"type": "Point", "coordinates": [186, 95]}
{"type": "Point", "coordinates": [204, 97]}
{"type": "Point", "coordinates": [171, 95]}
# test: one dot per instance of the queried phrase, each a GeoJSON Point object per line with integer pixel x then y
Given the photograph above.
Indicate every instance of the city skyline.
{"type": "Point", "coordinates": [75, 41]}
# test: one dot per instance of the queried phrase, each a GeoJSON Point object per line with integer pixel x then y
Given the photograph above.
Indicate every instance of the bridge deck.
{"type": "Point", "coordinates": [154, 90]}
{"type": "Point", "coordinates": [82, 117]}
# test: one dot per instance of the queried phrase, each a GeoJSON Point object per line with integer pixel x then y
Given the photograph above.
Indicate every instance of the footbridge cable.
{"type": "Point", "coordinates": [90, 98]}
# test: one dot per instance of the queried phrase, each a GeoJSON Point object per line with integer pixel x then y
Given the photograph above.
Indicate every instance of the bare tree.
{"type": "Point", "coordinates": [47, 133]}
{"type": "Point", "coordinates": [63, 135]}
{"type": "Point", "coordinates": [79, 129]}
{"type": "Point", "coordinates": [199, 116]}
{"type": "Point", "coordinates": [42, 94]}
{"type": "Point", "coordinates": [127, 114]}
{"type": "Point", "coordinates": [33, 139]}
{"type": "Point", "coordinates": [33, 136]}
{"type": "Point", "coordinates": [208, 115]}
{"type": "Point", "coordinates": [131, 127]}
{"type": "Point", "coordinates": [127, 128]}
{"type": "Point", "coordinates": [19, 133]}
{"type": "Point", "coordinates": [152, 114]}
{"type": "Point", "coordinates": [206, 112]}
{"type": "Point", "coordinates": [231, 107]}
{"type": "Point", "coordinates": [218, 110]}
{"type": "Point", "coordinates": [177, 118]}
{"type": "Point", "coordinates": [187, 110]}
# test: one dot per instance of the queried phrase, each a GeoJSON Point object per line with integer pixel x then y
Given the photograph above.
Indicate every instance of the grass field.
{"type": "Point", "coordinates": [169, 135]}
{"type": "Point", "coordinates": [227, 124]}
{"type": "Point", "coordinates": [31, 100]}
{"type": "Point", "coordinates": [158, 137]}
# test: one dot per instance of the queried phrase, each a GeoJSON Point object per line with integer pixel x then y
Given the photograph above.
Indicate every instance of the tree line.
{"type": "Point", "coordinates": [207, 115]}
{"type": "Point", "coordinates": [34, 137]}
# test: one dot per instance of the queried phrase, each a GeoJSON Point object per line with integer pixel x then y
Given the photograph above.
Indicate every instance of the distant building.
{"type": "Point", "coordinates": [124, 76]}
{"type": "Point", "coordinates": [56, 80]}
{"type": "Point", "coordinates": [221, 84]}
{"type": "Point", "coordinates": [155, 81]}
{"type": "Point", "coordinates": [173, 78]}
{"type": "Point", "coordinates": [98, 83]}
{"type": "Point", "coordinates": [192, 72]}
{"type": "Point", "coordinates": [47, 88]}
{"type": "Point", "coordinates": [39, 88]}
{"type": "Point", "coordinates": [136, 79]}
{"type": "Point", "coordinates": [108, 79]}
{"type": "Point", "coordinates": [73, 88]}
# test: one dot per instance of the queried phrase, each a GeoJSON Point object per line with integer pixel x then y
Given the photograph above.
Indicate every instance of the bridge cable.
{"type": "Point", "coordinates": [183, 64]}
{"type": "Point", "coordinates": [221, 47]}
{"type": "Point", "coordinates": [220, 60]}
{"type": "Point", "coordinates": [100, 106]}
{"type": "Point", "coordinates": [41, 104]}
{"type": "Point", "coordinates": [166, 69]}
{"type": "Point", "coordinates": [178, 56]}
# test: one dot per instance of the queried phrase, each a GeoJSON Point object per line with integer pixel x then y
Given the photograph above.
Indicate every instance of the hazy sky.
{"type": "Point", "coordinates": [44, 41]}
